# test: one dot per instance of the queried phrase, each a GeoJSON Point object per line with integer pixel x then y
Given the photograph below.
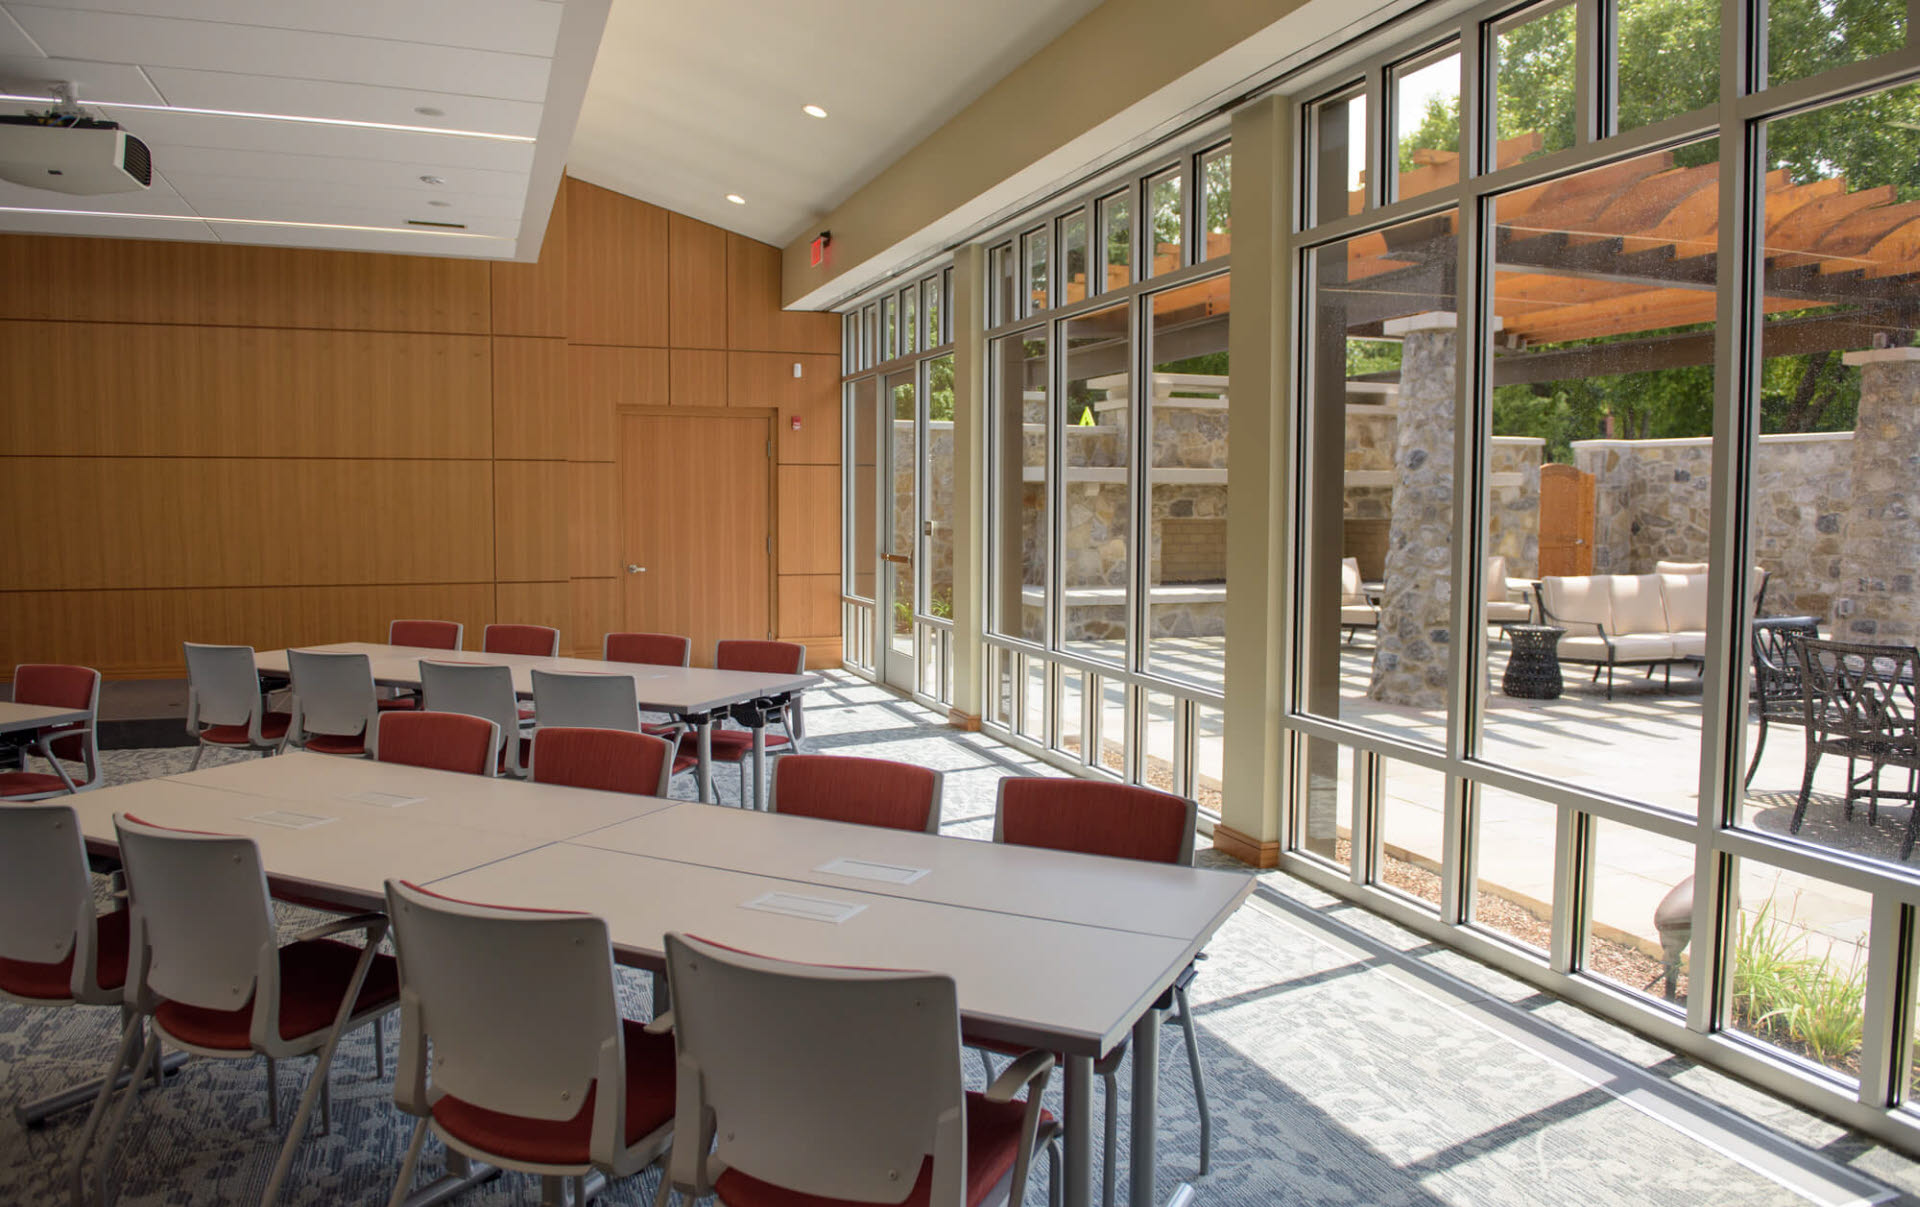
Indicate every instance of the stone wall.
{"type": "Point", "coordinates": [1651, 505]}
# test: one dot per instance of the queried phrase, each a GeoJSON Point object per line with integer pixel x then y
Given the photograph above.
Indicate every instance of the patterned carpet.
{"type": "Point", "coordinates": [1349, 1062]}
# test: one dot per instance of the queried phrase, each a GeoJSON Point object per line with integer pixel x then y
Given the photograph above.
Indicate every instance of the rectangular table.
{"type": "Point", "coordinates": [693, 693]}
{"type": "Point", "coordinates": [1073, 971]}
{"type": "Point", "coordinates": [20, 723]}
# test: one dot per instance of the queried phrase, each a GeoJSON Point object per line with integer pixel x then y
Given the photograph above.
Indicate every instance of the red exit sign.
{"type": "Point", "coordinates": [819, 247]}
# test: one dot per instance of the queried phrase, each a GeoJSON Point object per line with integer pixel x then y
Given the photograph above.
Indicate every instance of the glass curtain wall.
{"type": "Point", "coordinates": [1605, 445]}
{"type": "Point", "coordinates": [898, 476]}
{"type": "Point", "coordinates": [1106, 577]}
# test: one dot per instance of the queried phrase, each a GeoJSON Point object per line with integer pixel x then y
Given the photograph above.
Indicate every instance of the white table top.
{"type": "Point", "coordinates": [656, 688]}
{"type": "Point", "coordinates": [322, 783]}
{"type": "Point", "coordinates": [1025, 980]}
{"type": "Point", "coordinates": [36, 716]}
{"type": "Point", "coordinates": [1120, 894]}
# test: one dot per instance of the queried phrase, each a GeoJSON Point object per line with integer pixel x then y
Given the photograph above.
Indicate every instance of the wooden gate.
{"type": "Point", "coordinates": [1566, 520]}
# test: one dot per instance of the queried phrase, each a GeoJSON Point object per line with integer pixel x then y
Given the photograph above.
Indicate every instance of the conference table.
{"type": "Point", "coordinates": [1070, 953]}
{"type": "Point", "coordinates": [20, 724]}
{"type": "Point", "coordinates": [695, 694]}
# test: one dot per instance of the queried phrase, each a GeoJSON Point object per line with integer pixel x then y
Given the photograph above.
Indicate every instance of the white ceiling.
{"type": "Point", "coordinates": [690, 102]}
{"type": "Point", "coordinates": [506, 77]}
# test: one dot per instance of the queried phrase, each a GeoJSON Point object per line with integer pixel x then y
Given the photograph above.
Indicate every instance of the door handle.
{"type": "Point", "coordinates": [633, 569]}
{"type": "Point", "coordinates": [896, 559]}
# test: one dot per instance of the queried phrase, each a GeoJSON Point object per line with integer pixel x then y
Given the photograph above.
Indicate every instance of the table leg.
{"type": "Point", "coordinates": [463, 1174]}
{"type": "Point", "coordinates": [760, 764]}
{"type": "Point", "coordinates": [1078, 1154]}
{"type": "Point", "coordinates": [705, 770]}
{"type": "Point", "coordinates": [1144, 1163]}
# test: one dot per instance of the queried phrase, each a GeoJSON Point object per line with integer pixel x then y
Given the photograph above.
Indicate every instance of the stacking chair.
{"type": "Point", "coordinates": [334, 707]}
{"type": "Point", "coordinates": [420, 634]}
{"type": "Point", "coordinates": [584, 700]}
{"type": "Point", "coordinates": [480, 690]}
{"type": "Point", "coordinates": [651, 649]}
{"type": "Point", "coordinates": [1121, 821]}
{"type": "Point", "coordinates": [225, 706]}
{"type": "Point", "coordinates": [736, 745]}
{"type": "Point", "coordinates": [57, 686]}
{"type": "Point", "coordinates": [610, 760]}
{"type": "Point", "coordinates": [549, 1078]}
{"type": "Point", "coordinates": [838, 1086]}
{"type": "Point", "coordinates": [54, 949]}
{"type": "Point", "coordinates": [535, 639]}
{"type": "Point", "coordinates": [205, 974]}
{"type": "Point", "coordinates": [1859, 703]}
{"type": "Point", "coordinates": [426, 634]}
{"type": "Point", "coordinates": [868, 792]}
{"type": "Point", "coordinates": [444, 741]}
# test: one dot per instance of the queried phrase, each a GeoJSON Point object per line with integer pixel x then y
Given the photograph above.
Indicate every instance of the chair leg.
{"type": "Point", "coordinates": [199, 748]}
{"type": "Point", "coordinates": [1806, 789]}
{"type": "Point", "coordinates": [661, 1196]}
{"type": "Point", "coordinates": [134, 1030]}
{"type": "Point", "coordinates": [273, 1093]}
{"type": "Point", "coordinates": [1053, 1173]}
{"type": "Point", "coordinates": [380, 1049]}
{"type": "Point", "coordinates": [1180, 992]}
{"type": "Point", "coordinates": [316, 1085]}
{"type": "Point", "coordinates": [1759, 745]}
{"type": "Point", "coordinates": [986, 1063]}
{"type": "Point", "coordinates": [1913, 816]}
{"type": "Point", "coordinates": [409, 1164]}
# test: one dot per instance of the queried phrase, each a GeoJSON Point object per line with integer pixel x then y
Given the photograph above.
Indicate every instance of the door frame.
{"type": "Point", "coordinates": [893, 666]}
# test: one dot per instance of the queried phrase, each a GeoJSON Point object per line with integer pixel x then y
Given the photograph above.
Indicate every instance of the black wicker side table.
{"type": "Point", "coordinates": [1533, 667]}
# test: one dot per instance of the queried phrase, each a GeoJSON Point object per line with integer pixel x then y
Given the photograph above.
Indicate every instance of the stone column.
{"type": "Point", "coordinates": [1416, 623]}
{"type": "Point", "coordinates": [1880, 554]}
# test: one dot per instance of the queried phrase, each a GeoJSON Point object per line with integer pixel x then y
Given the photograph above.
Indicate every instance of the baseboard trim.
{"type": "Point", "coordinates": [1229, 841]}
{"type": "Point", "coordinates": [966, 721]}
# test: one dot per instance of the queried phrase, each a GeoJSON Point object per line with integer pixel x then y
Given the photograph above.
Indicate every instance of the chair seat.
{"type": "Point", "coordinates": [34, 783]}
{"type": "Point", "coordinates": [526, 714]}
{"type": "Point", "coordinates": [330, 743]}
{"type": "Point", "coordinates": [685, 762]}
{"type": "Point", "coordinates": [993, 1143]}
{"type": "Point", "coordinates": [313, 979]}
{"type": "Point", "coordinates": [526, 753]}
{"type": "Point", "coordinates": [730, 745]}
{"type": "Point", "coordinates": [54, 982]}
{"type": "Point", "coordinates": [273, 726]}
{"type": "Point", "coordinates": [387, 704]}
{"type": "Point", "coordinates": [650, 1103]}
{"type": "Point", "coordinates": [1507, 610]}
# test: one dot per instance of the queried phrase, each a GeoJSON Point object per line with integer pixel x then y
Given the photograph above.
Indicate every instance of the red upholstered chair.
{"type": "Point", "coordinates": [736, 745]}
{"type": "Point", "coordinates": [335, 710]}
{"type": "Point", "coordinates": [225, 706]}
{"type": "Point", "coordinates": [424, 635]}
{"type": "Point", "coordinates": [54, 949]}
{"type": "Point", "coordinates": [535, 639]}
{"type": "Point", "coordinates": [57, 686]}
{"type": "Point", "coordinates": [652, 649]}
{"type": "Point", "coordinates": [548, 1078]}
{"type": "Point", "coordinates": [206, 974]}
{"type": "Point", "coordinates": [480, 690]}
{"type": "Point", "coordinates": [1121, 821]}
{"type": "Point", "coordinates": [444, 741]}
{"type": "Point", "coordinates": [830, 1087]}
{"type": "Point", "coordinates": [868, 792]}
{"type": "Point", "coordinates": [610, 760]}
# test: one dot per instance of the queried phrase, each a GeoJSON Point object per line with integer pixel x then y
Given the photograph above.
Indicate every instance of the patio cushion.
{"type": "Point", "coordinates": [1633, 647]}
{"type": "Point", "coordinates": [1690, 643]}
{"type": "Point", "coordinates": [1496, 580]}
{"type": "Point", "coordinates": [1362, 615]}
{"type": "Point", "coordinates": [1686, 596]}
{"type": "Point", "coordinates": [1679, 567]}
{"type": "Point", "coordinates": [1583, 599]}
{"type": "Point", "coordinates": [1350, 592]}
{"type": "Point", "coordinates": [1636, 603]}
{"type": "Point", "coordinates": [1499, 610]}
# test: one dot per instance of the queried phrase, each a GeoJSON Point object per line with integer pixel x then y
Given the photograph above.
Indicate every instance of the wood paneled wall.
{"type": "Point", "coordinates": [277, 447]}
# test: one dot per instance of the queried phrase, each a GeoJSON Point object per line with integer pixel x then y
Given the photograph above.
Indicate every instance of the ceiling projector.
{"type": "Point", "coordinates": [66, 151]}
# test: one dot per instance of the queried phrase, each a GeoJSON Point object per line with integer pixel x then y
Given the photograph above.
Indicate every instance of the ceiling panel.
{"type": "Point", "coordinates": [13, 39]}
{"type": "Point", "coordinates": [424, 152]}
{"type": "Point", "coordinates": [106, 227]}
{"type": "Point", "coordinates": [214, 46]}
{"type": "Point", "coordinates": [374, 209]}
{"type": "Point", "coordinates": [269, 194]}
{"type": "Point", "coordinates": [403, 243]}
{"type": "Point", "coordinates": [352, 102]}
{"type": "Point", "coordinates": [301, 173]}
{"type": "Point", "coordinates": [30, 75]}
{"type": "Point", "coordinates": [511, 26]}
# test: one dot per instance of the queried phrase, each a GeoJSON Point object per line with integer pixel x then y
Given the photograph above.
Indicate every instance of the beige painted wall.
{"type": "Point", "coordinates": [1125, 70]}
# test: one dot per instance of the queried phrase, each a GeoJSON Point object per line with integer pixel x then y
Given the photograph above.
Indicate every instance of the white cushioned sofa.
{"type": "Point", "coordinates": [1357, 611]}
{"type": "Point", "coordinates": [1614, 620]}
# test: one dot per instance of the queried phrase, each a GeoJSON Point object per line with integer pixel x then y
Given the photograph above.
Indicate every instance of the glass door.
{"type": "Point", "coordinates": [900, 517]}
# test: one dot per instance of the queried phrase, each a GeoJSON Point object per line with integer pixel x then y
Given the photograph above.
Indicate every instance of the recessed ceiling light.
{"type": "Point", "coordinates": [813, 111]}
{"type": "Point", "coordinates": [433, 180]}
{"type": "Point", "coordinates": [736, 198]}
{"type": "Point", "coordinates": [429, 111]}
{"type": "Point", "coordinates": [440, 203]}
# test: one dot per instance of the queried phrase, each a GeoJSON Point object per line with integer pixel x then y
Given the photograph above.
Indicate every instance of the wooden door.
{"type": "Point", "coordinates": [1566, 520]}
{"type": "Point", "coordinates": [695, 520]}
